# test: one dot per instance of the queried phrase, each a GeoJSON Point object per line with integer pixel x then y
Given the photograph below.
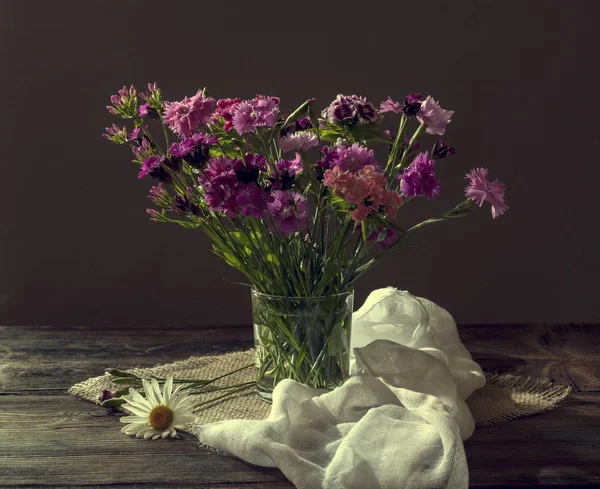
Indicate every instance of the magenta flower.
{"type": "Point", "coordinates": [284, 175]}
{"type": "Point", "coordinates": [298, 141]}
{"type": "Point", "coordinates": [250, 169]}
{"type": "Point", "coordinates": [354, 158]}
{"type": "Point", "coordinates": [480, 189]}
{"type": "Point", "coordinates": [258, 112]}
{"type": "Point", "coordinates": [434, 117]}
{"type": "Point", "coordinates": [389, 237]}
{"type": "Point", "coordinates": [253, 200]}
{"type": "Point", "coordinates": [221, 186]}
{"type": "Point", "coordinates": [185, 116]}
{"type": "Point", "coordinates": [419, 178]}
{"type": "Point", "coordinates": [390, 105]}
{"type": "Point", "coordinates": [244, 118]}
{"type": "Point", "coordinates": [150, 165]}
{"type": "Point", "coordinates": [225, 108]}
{"type": "Point", "coordinates": [289, 211]}
{"type": "Point", "coordinates": [143, 110]}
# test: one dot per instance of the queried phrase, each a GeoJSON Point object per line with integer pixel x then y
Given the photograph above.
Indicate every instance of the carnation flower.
{"type": "Point", "coordinates": [143, 110]}
{"type": "Point", "coordinates": [412, 104]}
{"type": "Point", "coordinates": [194, 149]}
{"type": "Point", "coordinates": [289, 211]}
{"type": "Point", "coordinates": [150, 165]}
{"type": "Point", "coordinates": [225, 108]}
{"type": "Point", "coordinates": [480, 189]}
{"type": "Point", "coordinates": [253, 200]}
{"type": "Point", "coordinates": [221, 185]}
{"type": "Point", "coordinates": [158, 415]}
{"type": "Point", "coordinates": [258, 112]}
{"type": "Point", "coordinates": [284, 175]}
{"type": "Point", "coordinates": [185, 116]}
{"type": "Point", "coordinates": [385, 237]}
{"type": "Point", "coordinates": [302, 141]}
{"type": "Point", "coordinates": [441, 150]}
{"type": "Point", "coordinates": [390, 105]}
{"type": "Point", "coordinates": [354, 158]}
{"type": "Point", "coordinates": [419, 178]}
{"type": "Point", "coordinates": [249, 170]}
{"type": "Point", "coordinates": [365, 189]}
{"type": "Point", "coordinates": [434, 117]}
{"type": "Point", "coordinates": [351, 109]}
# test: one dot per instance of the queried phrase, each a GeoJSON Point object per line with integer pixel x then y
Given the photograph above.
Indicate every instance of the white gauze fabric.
{"type": "Point", "coordinates": [399, 422]}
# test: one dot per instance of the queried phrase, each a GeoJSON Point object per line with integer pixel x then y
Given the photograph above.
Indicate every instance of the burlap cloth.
{"type": "Point", "coordinates": [505, 397]}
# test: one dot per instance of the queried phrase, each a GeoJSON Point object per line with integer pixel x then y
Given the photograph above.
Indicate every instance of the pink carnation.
{"type": "Point", "coordinates": [258, 112]}
{"type": "Point", "coordinates": [434, 117]}
{"type": "Point", "coordinates": [480, 189]}
{"type": "Point", "coordinates": [185, 116]}
{"type": "Point", "coordinates": [390, 105]}
{"type": "Point", "coordinates": [298, 141]}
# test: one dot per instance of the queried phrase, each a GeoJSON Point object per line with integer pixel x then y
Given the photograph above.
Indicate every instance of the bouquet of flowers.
{"type": "Point", "coordinates": [298, 202]}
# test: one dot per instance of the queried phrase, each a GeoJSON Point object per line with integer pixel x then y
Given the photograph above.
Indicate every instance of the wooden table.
{"type": "Point", "coordinates": [49, 438]}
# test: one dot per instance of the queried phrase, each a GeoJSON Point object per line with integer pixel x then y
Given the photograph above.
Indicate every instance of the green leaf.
{"type": "Point", "coordinates": [113, 403]}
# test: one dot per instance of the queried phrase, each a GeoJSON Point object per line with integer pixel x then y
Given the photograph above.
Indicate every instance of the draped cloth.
{"type": "Point", "coordinates": [398, 422]}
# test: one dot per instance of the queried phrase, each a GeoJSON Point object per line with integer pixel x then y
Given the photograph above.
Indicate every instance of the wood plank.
{"type": "Point", "coordinates": [75, 442]}
{"type": "Point", "coordinates": [558, 447]}
{"type": "Point", "coordinates": [567, 354]}
{"type": "Point", "coordinates": [70, 446]}
{"type": "Point", "coordinates": [56, 358]}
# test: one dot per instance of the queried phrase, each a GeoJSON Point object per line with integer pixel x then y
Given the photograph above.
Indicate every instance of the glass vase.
{"type": "Point", "coordinates": [306, 339]}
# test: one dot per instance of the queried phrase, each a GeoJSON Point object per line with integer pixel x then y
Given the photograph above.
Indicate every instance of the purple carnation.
{"type": "Point", "coordinates": [185, 116]}
{"type": "Point", "coordinates": [434, 117]}
{"type": "Point", "coordinates": [480, 189]}
{"type": "Point", "coordinates": [441, 150]}
{"type": "Point", "coordinates": [390, 105]}
{"type": "Point", "coordinates": [412, 104]}
{"type": "Point", "coordinates": [284, 175]}
{"type": "Point", "coordinates": [289, 211]}
{"type": "Point", "coordinates": [419, 178]}
{"type": "Point", "coordinates": [253, 200]}
{"type": "Point", "coordinates": [351, 109]}
{"type": "Point", "coordinates": [221, 185]}
{"type": "Point", "coordinates": [250, 169]}
{"type": "Point", "coordinates": [150, 165]}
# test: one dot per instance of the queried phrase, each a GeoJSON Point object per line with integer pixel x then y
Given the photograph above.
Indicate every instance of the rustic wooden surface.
{"type": "Point", "coordinates": [51, 439]}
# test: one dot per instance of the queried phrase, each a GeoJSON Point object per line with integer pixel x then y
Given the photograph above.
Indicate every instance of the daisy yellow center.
{"type": "Point", "coordinates": [161, 417]}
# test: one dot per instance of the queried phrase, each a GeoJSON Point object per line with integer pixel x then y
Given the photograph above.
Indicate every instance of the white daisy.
{"type": "Point", "coordinates": [159, 413]}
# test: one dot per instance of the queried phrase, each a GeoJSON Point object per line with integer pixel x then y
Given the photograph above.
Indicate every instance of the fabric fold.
{"type": "Point", "coordinates": [399, 422]}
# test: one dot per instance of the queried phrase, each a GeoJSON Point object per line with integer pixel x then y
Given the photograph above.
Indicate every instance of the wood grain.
{"type": "Point", "coordinates": [51, 439]}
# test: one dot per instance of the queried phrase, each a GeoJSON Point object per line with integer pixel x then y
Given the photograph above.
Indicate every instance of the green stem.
{"type": "Point", "coordinates": [210, 401]}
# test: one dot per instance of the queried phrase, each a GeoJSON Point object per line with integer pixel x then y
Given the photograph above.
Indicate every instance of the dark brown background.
{"type": "Point", "coordinates": [77, 248]}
